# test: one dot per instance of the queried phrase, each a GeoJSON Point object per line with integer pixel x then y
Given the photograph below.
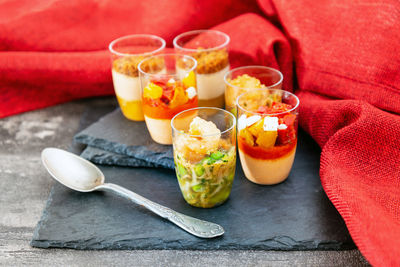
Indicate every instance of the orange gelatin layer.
{"type": "Point", "coordinates": [158, 110]}
{"type": "Point", "coordinates": [257, 152]}
{"type": "Point", "coordinates": [131, 109]}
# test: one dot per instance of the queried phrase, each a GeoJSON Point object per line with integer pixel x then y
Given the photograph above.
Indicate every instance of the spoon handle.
{"type": "Point", "coordinates": [192, 225]}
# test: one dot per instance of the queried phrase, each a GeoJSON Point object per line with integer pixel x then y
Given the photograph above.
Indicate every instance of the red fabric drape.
{"type": "Point", "coordinates": [341, 57]}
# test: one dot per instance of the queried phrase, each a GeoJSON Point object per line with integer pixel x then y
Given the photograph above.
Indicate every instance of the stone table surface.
{"type": "Point", "coordinates": [25, 187]}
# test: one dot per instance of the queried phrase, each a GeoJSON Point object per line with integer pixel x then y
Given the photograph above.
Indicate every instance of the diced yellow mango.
{"type": "Point", "coordinates": [248, 137]}
{"type": "Point", "coordinates": [257, 128]}
{"type": "Point", "coordinates": [152, 91]}
{"type": "Point", "coordinates": [189, 80]}
{"type": "Point", "coordinates": [179, 97]}
{"type": "Point", "coordinates": [267, 139]}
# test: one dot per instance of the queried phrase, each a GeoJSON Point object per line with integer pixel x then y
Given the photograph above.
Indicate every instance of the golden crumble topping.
{"type": "Point", "coordinates": [209, 61]}
{"type": "Point", "coordinates": [129, 65]}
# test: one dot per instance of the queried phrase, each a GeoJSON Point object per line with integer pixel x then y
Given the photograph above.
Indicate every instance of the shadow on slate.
{"type": "Point", "coordinates": [114, 140]}
{"type": "Point", "coordinates": [294, 215]}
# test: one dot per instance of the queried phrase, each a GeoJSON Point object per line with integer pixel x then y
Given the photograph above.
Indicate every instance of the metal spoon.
{"type": "Point", "coordinates": [81, 175]}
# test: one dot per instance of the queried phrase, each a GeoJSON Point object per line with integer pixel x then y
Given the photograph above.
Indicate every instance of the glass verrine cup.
{"type": "Point", "coordinates": [267, 134]}
{"type": "Point", "coordinates": [204, 155]}
{"type": "Point", "coordinates": [210, 49]}
{"type": "Point", "coordinates": [126, 53]}
{"type": "Point", "coordinates": [166, 92]}
{"type": "Point", "coordinates": [243, 79]}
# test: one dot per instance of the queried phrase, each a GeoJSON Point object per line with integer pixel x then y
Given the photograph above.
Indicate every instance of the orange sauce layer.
{"type": "Point", "coordinates": [156, 109]}
{"type": "Point", "coordinates": [261, 153]}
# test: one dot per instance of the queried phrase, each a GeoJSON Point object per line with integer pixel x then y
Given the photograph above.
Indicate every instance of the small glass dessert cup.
{"type": "Point", "coordinates": [205, 155]}
{"type": "Point", "coordinates": [165, 93]}
{"type": "Point", "coordinates": [210, 49]}
{"type": "Point", "coordinates": [126, 53]}
{"type": "Point", "coordinates": [243, 79]}
{"type": "Point", "coordinates": [267, 134]}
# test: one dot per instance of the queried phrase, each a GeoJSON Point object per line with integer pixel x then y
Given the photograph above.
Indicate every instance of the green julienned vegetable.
{"type": "Point", "coordinates": [207, 183]}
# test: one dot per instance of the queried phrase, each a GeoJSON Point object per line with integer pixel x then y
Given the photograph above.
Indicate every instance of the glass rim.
{"type": "Point", "coordinates": [205, 135]}
{"type": "Point", "coordinates": [125, 37]}
{"type": "Point", "coordinates": [268, 114]}
{"type": "Point", "coordinates": [164, 55]}
{"type": "Point", "coordinates": [225, 43]}
{"type": "Point", "coordinates": [254, 67]}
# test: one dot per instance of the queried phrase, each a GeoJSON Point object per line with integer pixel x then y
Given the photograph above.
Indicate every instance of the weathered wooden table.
{"type": "Point", "coordinates": [25, 186]}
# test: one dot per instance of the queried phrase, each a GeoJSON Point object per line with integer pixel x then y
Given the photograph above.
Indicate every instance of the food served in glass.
{"type": "Point", "coordinates": [126, 53]}
{"type": "Point", "coordinates": [165, 93]}
{"type": "Point", "coordinates": [267, 134]}
{"type": "Point", "coordinates": [243, 79]}
{"type": "Point", "coordinates": [205, 155]}
{"type": "Point", "coordinates": [210, 49]}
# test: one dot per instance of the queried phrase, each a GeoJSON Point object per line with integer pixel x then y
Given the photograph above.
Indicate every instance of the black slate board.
{"type": "Point", "coordinates": [100, 156]}
{"type": "Point", "coordinates": [114, 140]}
{"type": "Point", "coordinates": [294, 215]}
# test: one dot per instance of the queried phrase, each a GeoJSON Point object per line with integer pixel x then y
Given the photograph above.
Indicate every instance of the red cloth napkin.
{"type": "Point", "coordinates": [341, 57]}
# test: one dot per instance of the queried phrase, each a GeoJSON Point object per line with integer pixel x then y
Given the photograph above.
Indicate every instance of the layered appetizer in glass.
{"type": "Point", "coordinates": [267, 134]}
{"type": "Point", "coordinates": [209, 48]}
{"type": "Point", "coordinates": [205, 155]}
{"type": "Point", "coordinates": [126, 54]}
{"type": "Point", "coordinates": [243, 79]}
{"type": "Point", "coordinates": [165, 93]}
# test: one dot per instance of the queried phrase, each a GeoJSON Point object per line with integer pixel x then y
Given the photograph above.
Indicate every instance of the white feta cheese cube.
{"type": "Point", "coordinates": [253, 119]}
{"type": "Point", "coordinates": [270, 124]}
{"type": "Point", "coordinates": [191, 92]}
{"type": "Point", "coordinates": [242, 122]}
{"type": "Point", "coordinates": [171, 80]}
{"type": "Point", "coordinates": [282, 126]}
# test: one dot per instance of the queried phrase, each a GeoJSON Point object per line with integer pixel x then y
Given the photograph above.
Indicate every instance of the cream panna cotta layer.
{"type": "Point", "coordinates": [160, 129]}
{"type": "Point", "coordinates": [210, 85]}
{"type": "Point", "coordinates": [267, 171]}
{"type": "Point", "coordinates": [126, 87]}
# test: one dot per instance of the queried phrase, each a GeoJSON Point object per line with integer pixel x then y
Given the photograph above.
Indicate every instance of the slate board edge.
{"type": "Point", "coordinates": [120, 149]}
{"type": "Point", "coordinates": [267, 245]}
{"type": "Point", "coordinates": [42, 220]}
{"type": "Point", "coordinates": [114, 159]}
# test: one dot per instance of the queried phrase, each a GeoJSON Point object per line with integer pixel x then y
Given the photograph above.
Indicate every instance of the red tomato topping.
{"type": "Point", "coordinates": [289, 119]}
{"type": "Point", "coordinates": [262, 109]}
{"type": "Point", "coordinates": [163, 107]}
{"type": "Point", "coordinates": [168, 94]}
{"type": "Point", "coordinates": [275, 108]}
{"type": "Point", "coordinates": [257, 152]}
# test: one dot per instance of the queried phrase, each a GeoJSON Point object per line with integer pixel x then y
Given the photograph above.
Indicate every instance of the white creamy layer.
{"type": "Point", "coordinates": [126, 87]}
{"type": "Point", "coordinates": [265, 171]}
{"type": "Point", "coordinates": [160, 130]}
{"type": "Point", "coordinates": [209, 85]}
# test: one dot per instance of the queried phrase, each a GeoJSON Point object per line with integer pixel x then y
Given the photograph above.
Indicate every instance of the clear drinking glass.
{"type": "Point", "coordinates": [210, 49]}
{"type": "Point", "coordinates": [126, 53]}
{"type": "Point", "coordinates": [267, 134]}
{"type": "Point", "coordinates": [168, 83]}
{"type": "Point", "coordinates": [243, 79]}
{"type": "Point", "coordinates": [204, 155]}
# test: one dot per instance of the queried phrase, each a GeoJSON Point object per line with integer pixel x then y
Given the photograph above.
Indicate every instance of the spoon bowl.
{"type": "Point", "coordinates": [71, 170]}
{"type": "Point", "coordinates": [81, 175]}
